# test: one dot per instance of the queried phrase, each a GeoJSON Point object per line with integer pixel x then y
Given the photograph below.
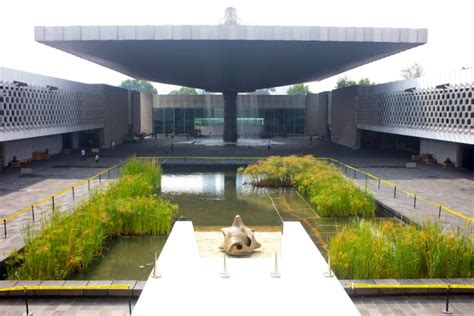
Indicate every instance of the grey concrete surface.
{"type": "Point", "coordinates": [370, 306]}
{"type": "Point", "coordinates": [223, 57]}
{"type": "Point", "coordinates": [50, 176]}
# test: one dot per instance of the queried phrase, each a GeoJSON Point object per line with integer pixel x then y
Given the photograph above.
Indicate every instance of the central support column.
{"type": "Point", "coordinates": [230, 116]}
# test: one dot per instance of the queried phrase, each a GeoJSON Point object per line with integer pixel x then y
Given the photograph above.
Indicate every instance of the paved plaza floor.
{"type": "Point", "coordinates": [453, 188]}
{"type": "Point", "coordinates": [368, 306]}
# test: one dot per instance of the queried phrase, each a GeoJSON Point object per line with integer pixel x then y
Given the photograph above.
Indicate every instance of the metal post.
{"type": "Point", "coordinates": [73, 194]}
{"type": "Point", "coordinates": [52, 201]}
{"type": "Point", "coordinates": [345, 169]}
{"type": "Point", "coordinates": [130, 302]}
{"type": "Point", "coordinates": [224, 273]}
{"type": "Point", "coordinates": [89, 184]}
{"type": "Point", "coordinates": [100, 179]}
{"type": "Point", "coordinates": [276, 273]}
{"type": "Point", "coordinates": [414, 201]}
{"type": "Point", "coordinates": [156, 275]}
{"type": "Point", "coordinates": [33, 212]}
{"type": "Point", "coordinates": [446, 310]}
{"type": "Point", "coordinates": [5, 227]}
{"type": "Point", "coordinates": [108, 173]}
{"type": "Point", "coordinates": [395, 192]}
{"type": "Point", "coordinates": [366, 179]}
{"type": "Point", "coordinates": [378, 186]}
{"type": "Point", "coordinates": [329, 274]}
{"type": "Point", "coordinates": [439, 212]}
{"type": "Point", "coordinates": [26, 303]}
{"type": "Point", "coordinates": [355, 174]}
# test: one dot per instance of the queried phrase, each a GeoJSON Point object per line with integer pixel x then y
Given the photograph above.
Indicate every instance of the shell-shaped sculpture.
{"type": "Point", "coordinates": [239, 240]}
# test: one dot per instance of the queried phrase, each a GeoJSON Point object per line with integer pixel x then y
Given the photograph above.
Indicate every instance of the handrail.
{"type": "Point", "coordinates": [408, 193]}
{"type": "Point", "coordinates": [410, 286]}
{"type": "Point", "coordinates": [48, 198]}
{"type": "Point", "coordinates": [65, 287]}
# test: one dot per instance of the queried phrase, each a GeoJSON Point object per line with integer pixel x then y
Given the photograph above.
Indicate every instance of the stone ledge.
{"type": "Point", "coordinates": [422, 291]}
{"type": "Point", "coordinates": [136, 288]}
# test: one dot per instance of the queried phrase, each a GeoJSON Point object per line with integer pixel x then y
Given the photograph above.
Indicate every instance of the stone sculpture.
{"type": "Point", "coordinates": [239, 240]}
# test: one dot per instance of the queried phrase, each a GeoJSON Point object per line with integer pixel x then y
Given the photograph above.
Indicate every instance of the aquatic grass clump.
{"type": "Point", "coordinates": [323, 185]}
{"type": "Point", "coordinates": [391, 250]}
{"type": "Point", "coordinates": [69, 242]}
{"type": "Point", "coordinates": [147, 169]}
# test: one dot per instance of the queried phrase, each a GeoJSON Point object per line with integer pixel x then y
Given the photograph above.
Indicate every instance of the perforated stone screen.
{"type": "Point", "coordinates": [30, 110]}
{"type": "Point", "coordinates": [437, 113]}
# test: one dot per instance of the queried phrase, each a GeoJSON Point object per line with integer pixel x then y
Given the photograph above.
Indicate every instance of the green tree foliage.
{"type": "Point", "coordinates": [298, 89]}
{"type": "Point", "coordinates": [412, 72]}
{"type": "Point", "coordinates": [346, 82]}
{"type": "Point", "coordinates": [184, 91]}
{"type": "Point", "coordinates": [267, 91]}
{"type": "Point", "coordinates": [139, 85]}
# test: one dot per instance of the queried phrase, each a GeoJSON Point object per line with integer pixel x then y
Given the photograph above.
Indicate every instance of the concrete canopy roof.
{"type": "Point", "coordinates": [230, 57]}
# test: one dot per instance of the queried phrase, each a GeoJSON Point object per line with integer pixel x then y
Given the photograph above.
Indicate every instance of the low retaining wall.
{"type": "Point", "coordinates": [135, 289]}
{"type": "Point", "coordinates": [423, 290]}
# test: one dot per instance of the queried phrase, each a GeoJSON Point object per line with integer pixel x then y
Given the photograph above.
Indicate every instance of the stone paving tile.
{"type": "Point", "coordinates": [391, 305]}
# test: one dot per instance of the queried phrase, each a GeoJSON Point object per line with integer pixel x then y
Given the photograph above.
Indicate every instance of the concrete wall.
{"type": "Point", "coordinates": [146, 113]}
{"type": "Point", "coordinates": [344, 128]}
{"type": "Point", "coordinates": [24, 148]}
{"type": "Point", "coordinates": [116, 115]}
{"type": "Point", "coordinates": [441, 150]}
{"type": "Point", "coordinates": [217, 101]}
{"type": "Point", "coordinates": [316, 114]}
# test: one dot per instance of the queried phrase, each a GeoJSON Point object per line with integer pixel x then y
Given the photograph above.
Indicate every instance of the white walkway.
{"type": "Point", "coordinates": [191, 285]}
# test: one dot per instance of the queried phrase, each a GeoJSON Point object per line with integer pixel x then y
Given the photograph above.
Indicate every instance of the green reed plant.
{"type": "Point", "coordinates": [323, 185]}
{"type": "Point", "coordinates": [391, 250]}
{"type": "Point", "coordinates": [69, 242]}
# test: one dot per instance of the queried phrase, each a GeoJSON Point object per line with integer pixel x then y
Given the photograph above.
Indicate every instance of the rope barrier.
{"type": "Point", "coordinates": [48, 198]}
{"type": "Point", "coordinates": [408, 193]}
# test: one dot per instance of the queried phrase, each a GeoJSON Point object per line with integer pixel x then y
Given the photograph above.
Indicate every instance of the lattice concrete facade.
{"type": "Point", "coordinates": [436, 113]}
{"type": "Point", "coordinates": [31, 110]}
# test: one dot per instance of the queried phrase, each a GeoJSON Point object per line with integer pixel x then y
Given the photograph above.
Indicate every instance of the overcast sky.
{"type": "Point", "coordinates": [450, 27]}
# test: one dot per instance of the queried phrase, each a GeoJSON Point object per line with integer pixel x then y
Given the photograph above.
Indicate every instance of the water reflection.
{"type": "Point", "coordinates": [214, 198]}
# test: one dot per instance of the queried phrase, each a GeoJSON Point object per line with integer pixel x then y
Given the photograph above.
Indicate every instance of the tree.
{"type": "Point", "coordinates": [365, 82]}
{"type": "Point", "coordinates": [346, 82]}
{"type": "Point", "coordinates": [267, 91]}
{"type": "Point", "coordinates": [139, 85]}
{"type": "Point", "coordinates": [184, 91]}
{"type": "Point", "coordinates": [298, 89]}
{"type": "Point", "coordinates": [412, 72]}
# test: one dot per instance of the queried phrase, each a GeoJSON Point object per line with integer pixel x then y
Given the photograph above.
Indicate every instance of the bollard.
{"type": "Point", "coordinates": [439, 212]}
{"type": "Point", "coordinates": [156, 275]}
{"type": "Point", "coordinates": [100, 179]}
{"type": "Point", "coordinates": [414, 201]}
{"type": "Point", "coordinates": [378, 185]}
{"type": "Point", "coordinates": [366, 180]}
{"type": "Point", "coordinates": [224, 274]}
{"type": "Point", "coordinates": [446, 310]}
{"type": "Point", "coordinates": [329, 274]}
{"type": "Point", "coordinates": [52, 201]}
{"type": "Point", "coordinates": [26, 304]}
{"type": "Point", "coordinates": [276, 273]}
{"type": "Point", "coordinates": [73, 194]}
{"type": "Point", "coordinates": [89, 184]}
{"type": "Point", "coordinates": [33, 212]}
{"type": "Point", "coordinates": [345, 169]}
{"type": "Point", "coordinates": [130, 302]}
{"type": "Point", "coordinates": [395, 192]}
{"type": "Point", "coordinates": [5, 227]}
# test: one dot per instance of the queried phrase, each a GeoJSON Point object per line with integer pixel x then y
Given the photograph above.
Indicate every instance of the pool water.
{"type": "Point", "coordinates": [211, 199]}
